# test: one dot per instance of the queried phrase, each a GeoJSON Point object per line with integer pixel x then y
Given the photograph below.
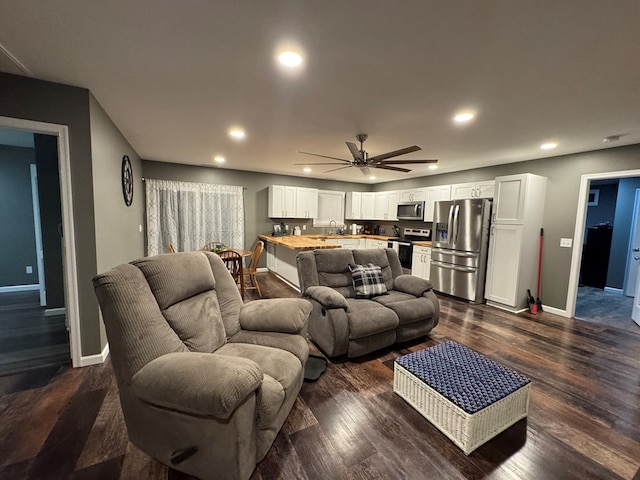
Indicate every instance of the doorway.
{"type": "Point", "coordinates": [600, 261]}
{"type": "Point", "coordinates": [61, 312]}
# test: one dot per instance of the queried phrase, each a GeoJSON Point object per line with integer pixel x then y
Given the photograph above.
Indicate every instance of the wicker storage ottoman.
{"type": "Point", "coordinates": [467, 396]}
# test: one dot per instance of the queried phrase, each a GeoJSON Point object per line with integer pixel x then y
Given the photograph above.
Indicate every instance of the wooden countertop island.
{"type": "Point", "coordinates": [298, 242]}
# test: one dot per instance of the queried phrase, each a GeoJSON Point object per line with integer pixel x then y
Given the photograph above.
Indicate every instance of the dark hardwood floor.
{"type": "Point", "coordinates": [29, 339]}
{"type": "Point", "coordinates": [583, 423]}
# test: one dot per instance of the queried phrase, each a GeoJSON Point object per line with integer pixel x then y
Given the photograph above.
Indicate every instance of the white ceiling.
{"type": "Point", "coordinates": [174, 76]}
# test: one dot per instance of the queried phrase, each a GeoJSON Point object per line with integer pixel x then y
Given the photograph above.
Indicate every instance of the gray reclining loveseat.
{"type": "Point", "coordinates": [345, 321]}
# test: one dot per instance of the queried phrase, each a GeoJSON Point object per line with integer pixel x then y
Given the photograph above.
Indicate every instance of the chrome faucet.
{"type": "Point", "coordinates": [332, 229]}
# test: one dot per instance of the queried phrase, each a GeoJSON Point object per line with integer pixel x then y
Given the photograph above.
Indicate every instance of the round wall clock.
{"type": "Point", "coordinates": [127, 180]}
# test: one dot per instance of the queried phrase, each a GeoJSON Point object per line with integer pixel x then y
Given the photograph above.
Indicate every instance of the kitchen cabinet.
{"type": "Point", "coordinates": [421, 262]}
{"type": "Point", "coordinates": [432, 195]}
{"type": "Point", "coordinates": [413, 195]}
{"type": "Point", "coordinates": [512, 263]}
{"type": "Point", "coordinates": [360, 206]}
{"type": "Point", "coordinates": [306, 202]}
{"type": "Point", "coordinates": [292, 202]}
{"type": "Point", "coordinates": [271, 256]}
{"type": "Point", "coordinates": [385, 205]}
{"type": "Point", "coordinates": [504, 265]}
{"type": "Point", "coordinates": [461, 191]}
{"type": "Point", "coordinates": [373, 243]}
{"type": "Point", "coordinates": [349, 243]}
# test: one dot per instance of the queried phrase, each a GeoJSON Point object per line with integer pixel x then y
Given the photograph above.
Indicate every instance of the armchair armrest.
{"type": "Point", "coordinates": [197, 383]}
{"type": "Point", "coordinates": [412, 285]}
{"type": "Point", "coordinates": [327, 297]}
{"type": "Point", "coordinates": [284, 315]}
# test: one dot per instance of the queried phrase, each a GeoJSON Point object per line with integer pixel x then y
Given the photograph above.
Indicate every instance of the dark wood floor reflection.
{"type": "Point", "coordinates": [28, 338]}
{"type": "Point", "coordinates": [584, 419]}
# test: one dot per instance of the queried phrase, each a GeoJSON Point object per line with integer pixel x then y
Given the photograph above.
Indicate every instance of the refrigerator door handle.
{"type": "Point", "coordinates": [450, 225]}
{"type": "Point", "coordinates": [456, 221]}
{"type": "Point", "coordinates": [454, 253]}
{"type": "Point", "coordinates": [453, 267]}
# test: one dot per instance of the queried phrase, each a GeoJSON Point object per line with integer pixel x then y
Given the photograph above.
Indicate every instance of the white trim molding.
{"type": "Point", "coordinates": [66, 205]}
{"type": "Point", "coordinates": [95, 359]}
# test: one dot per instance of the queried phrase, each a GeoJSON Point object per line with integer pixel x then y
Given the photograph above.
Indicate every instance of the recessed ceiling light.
{"type": "Point", "coordinates": [433, 167]}
{"type": "Point", "coordinates": [237, 134]}
{"type": "Point", "coordinates": [611, 138]}
{"type": "Point", "coordinates": [372, 177]}
{"type": "Point", "coordinates": [463, 117]}
{"type": "Point", "coordinates": [548, 146]}
{"type": "Point", "coordinates": [219, 159]}
{"type": "Point", "coordinates": [307, 170]}
{"type": "Point", "coordinates": [290, 59]}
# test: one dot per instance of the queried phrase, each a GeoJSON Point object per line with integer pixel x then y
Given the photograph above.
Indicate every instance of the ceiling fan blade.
{"type": "Point", "coordinates": [395, 169]}
{"type": "Point", "coordinates": [324, 156]}
{"type": "Point", "coordinates": [365, 171]}
{"type": "Point", "coordinates": [353, 148]}
{"type": "Point", "coordinates": [339, 168]}
{"type": "Point", "coordinates": [395, 153]}
{"type": "Point", "coordinates": [321, 163]}
{"type": "Point", "coordinates": [406, 162]}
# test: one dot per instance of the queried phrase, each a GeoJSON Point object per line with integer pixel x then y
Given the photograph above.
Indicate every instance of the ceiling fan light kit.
{"type": "Point", "coordinates": [363, 161]}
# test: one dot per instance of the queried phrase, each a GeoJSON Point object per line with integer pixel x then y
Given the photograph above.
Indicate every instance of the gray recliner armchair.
{"type": "Point", "coordinates": [205, 381]}
{"type": "Point", "coordinates": [341, 323]}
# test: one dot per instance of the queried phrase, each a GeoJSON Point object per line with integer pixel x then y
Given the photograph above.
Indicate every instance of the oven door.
{"type": "Point", "coordinates": [405, 251]}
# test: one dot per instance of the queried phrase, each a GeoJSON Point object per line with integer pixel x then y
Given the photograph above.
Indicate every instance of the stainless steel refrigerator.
{"type": "Point", "coordinates": [459, 247]}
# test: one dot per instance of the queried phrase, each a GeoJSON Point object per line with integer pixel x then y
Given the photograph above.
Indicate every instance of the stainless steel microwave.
{"type": "Point", "coordinates": [410, 211]}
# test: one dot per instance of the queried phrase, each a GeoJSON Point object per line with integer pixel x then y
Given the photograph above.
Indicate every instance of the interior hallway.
{"type": "Point", "coordinates": [605, 308]}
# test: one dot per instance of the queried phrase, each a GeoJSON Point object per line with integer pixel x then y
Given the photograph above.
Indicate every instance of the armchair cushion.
{"type": "Point", "coordinates": [197, 383]}
{"type": "Point", "coordinates": [367, 280]}
{"type": "Point", "coordinates": [415, 286]}
{"type": "Point", "coordinates": [285, 315]}
{"type": "Point", "coordinates": [327, 297]}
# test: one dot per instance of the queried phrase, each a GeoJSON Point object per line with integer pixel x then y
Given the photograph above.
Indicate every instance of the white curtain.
{"type": "Point", "coordinates": [189, 215]}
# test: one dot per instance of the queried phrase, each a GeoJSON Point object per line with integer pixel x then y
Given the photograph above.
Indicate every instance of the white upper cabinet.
{"type": "Point", "coordinates": [353, 205]}
{"type": "Point", "coordinates": [368, 205]}
{"type": "Point", "coordinates": [517, 198]}
{"type": "Point", "coordinates": [282, 201]}
{"type": "Point", "coordinates": [413, 195]}
{"type": "Point", "coordinates": [292, 202]}
{"type": "Point", "coordinates": [306, 202]}
{"type": "Point", "coordinates": [385, 205]}
{"type": "Point", "coordinates": [461, 191]}
{"type": "Point", "coordinates": [435, 194]}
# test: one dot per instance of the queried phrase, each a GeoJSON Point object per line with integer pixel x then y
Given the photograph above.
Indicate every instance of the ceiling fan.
{"type": "Point", "coordinates": [363, 161]}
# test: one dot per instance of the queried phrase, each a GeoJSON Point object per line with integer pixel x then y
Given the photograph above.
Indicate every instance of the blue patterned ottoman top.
{"type": "Point", "coordinates": [465, 377]}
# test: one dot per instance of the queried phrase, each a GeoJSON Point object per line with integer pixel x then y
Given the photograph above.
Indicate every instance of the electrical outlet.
{"type": "Point", "coordinates": [566, 242]}
{"type": "Point", "coordinates": [29, 269]}
{"type": "Point", "coordinates": [304, 227]}
{"type": "Point", "coordinates": [140, 228]}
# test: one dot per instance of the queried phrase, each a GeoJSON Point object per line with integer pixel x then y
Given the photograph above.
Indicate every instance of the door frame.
{"type": "Point", "coordinates": [70, 272]}
{"type": "Point", "coordinates": [578, 235]}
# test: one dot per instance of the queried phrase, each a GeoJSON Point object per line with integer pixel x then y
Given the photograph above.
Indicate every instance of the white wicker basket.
{"type": "Point", "coordinates": [467, 431]}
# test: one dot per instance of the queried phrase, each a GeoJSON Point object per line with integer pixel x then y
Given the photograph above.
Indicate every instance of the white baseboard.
{"type": "Point", "coordinates": [505, 307]}
{"type": "Point", "coordinates": [50, 312]}
{"type": "Point", "coordinates": [619, 291]}
{"type": "Point", "coordinates": [95, 359]}
{"type": "Point", "coordinates": [555, 311]}
{"type": "Point", "coordinates": [263, 270]}
{"type": "Point", "coordinates": [19, 288]}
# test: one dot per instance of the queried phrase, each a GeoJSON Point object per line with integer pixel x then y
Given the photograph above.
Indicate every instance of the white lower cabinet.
{"type": "Point", "coordinates": [271, 256]}
{"type": "Point", "coordinates": [349, 243]}
{"type": "Point", "coordinates": [372, 243]}
{"type": "Point", "coordinates": [503, 265]}
{"type": "Point", "coordinates": [421, 262]}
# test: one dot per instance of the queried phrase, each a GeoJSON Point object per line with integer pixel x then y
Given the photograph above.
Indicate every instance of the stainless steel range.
{"type": "Point", "coordinates": [404, 244]}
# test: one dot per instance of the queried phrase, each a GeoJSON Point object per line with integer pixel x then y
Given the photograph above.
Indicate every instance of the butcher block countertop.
{"type": "Point", "coordinates": [422, 244]}
{"type": "Point", "coordinates": [312, 242]}
{"type": "Point", "coordinates": [298, 242]}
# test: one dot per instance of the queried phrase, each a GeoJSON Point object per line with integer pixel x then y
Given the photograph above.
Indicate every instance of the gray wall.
{"type": "Point", "coordinates": [17, 233]}
{"type": "Point", "coordinates": [31, 99]}
{"type": "Point", "coordinates": [605, 210]}
{"type": "Point", "coordinates": [564, 174]}
{"type": "Point", "coordinates": [118, 236]}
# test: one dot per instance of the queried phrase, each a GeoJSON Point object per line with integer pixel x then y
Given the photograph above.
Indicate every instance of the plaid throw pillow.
{"type": "Point", "coordinates": [367, 280]}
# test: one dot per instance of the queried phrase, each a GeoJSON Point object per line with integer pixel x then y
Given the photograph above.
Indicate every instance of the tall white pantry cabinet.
{"type": "Point", "coordinates": [512, 265]}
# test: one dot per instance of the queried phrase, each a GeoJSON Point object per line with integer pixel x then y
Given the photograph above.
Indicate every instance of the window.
{"type": "Point", "coordinates": [330, 207]}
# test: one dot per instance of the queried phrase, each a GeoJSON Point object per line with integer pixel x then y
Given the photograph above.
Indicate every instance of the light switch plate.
{"type": "Point", "coordinates": [566, 242]}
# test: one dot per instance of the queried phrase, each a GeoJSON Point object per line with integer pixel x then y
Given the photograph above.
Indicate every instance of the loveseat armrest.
{"type": "Point", "coordinates": [197, 383]}
{"type": "Point", "coordinates": [327, 297]}
{"type": "Point", "coordinates": [412, 285]}
{"type": "Point", "coordinates": [284, 315]}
